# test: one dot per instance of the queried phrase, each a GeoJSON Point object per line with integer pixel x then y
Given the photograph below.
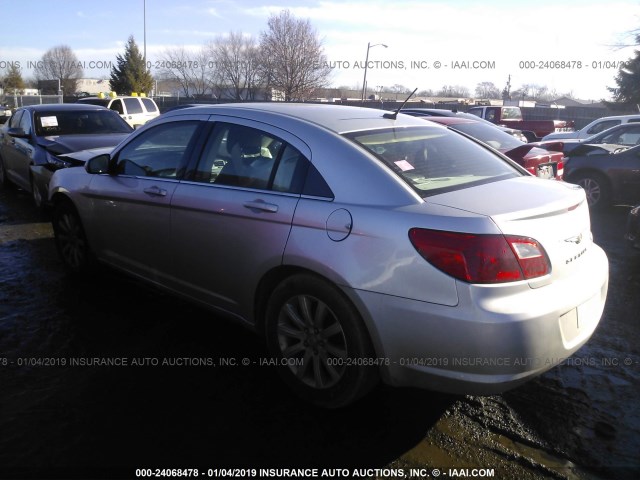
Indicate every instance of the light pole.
{"type": "Point", "coordinates": [144, 25]}
{"type": "Point", "coordinates": [366, 62]}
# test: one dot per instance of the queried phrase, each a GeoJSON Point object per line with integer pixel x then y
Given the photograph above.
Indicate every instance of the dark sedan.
{"type": "Point", "coordinates": [625, 135]}
{"type": "Point", "coordinates": [32, 141]}
{"type": "Point", "coordinates": [608, 173]}
{"type": "Point", "coordinates": [438, 112]}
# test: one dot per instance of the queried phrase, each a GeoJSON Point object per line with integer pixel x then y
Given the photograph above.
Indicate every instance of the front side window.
{"type": "Point", "coordinates": [25, 123]}
{"type": "Point", "coordinates": [434, 160]}
{"type": "Point", "coordinates": [14, 121]}
{"type": "Point", "coordinates": [158, 152]}
{"type": "Point", "coordinates": [116, 105]}
{"type": "Point", "coordinates": [624, 136]}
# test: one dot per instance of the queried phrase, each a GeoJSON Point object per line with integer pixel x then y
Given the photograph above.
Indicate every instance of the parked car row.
{"type": "Point", "coordinates": [606, 165]}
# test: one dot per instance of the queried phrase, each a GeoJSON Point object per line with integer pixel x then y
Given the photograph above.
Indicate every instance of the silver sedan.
{"type": "Point", "coordinates": [363, 245]}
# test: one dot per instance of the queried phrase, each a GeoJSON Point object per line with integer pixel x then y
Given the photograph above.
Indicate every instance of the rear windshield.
{"type": "Point", "coordinates": [434, 160]}
{"type": "Point", "coordinates": [489, 134]}
{"type": "Point", "coordinates": [103, 102]}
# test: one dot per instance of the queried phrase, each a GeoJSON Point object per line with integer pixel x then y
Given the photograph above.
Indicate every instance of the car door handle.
{"type": "Point", "coordinates": [155, 191]}
{"type": "Point", "coordinates": [261, 205]}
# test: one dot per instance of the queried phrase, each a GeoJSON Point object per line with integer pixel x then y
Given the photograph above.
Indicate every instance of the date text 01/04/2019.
{"type": "Point", "coordinates": [570, 64]}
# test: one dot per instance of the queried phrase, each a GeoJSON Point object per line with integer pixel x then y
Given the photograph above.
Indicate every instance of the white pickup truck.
{"type": "Point", "coordinates": [597, 126]}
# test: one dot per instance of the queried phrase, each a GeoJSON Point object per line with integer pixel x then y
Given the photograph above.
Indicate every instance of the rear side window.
{"type": "Point", "coordinates": [149, 105]}
{"type": "Point", "coordinates": [434, 160]}
{"type": "Point", "coordinates": [602, 126]}
{"type": "Point", "coordinates": [133, 105]}
{"type": "Point", "coordinates": [240, 156]}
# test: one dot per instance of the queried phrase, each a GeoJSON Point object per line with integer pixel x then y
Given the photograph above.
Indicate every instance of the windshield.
{"type": "Point", "coordinates": [434, 160]}
{"type": "Point", "coordinates": [489, 134]}
{"type": "Point", "coordinates": [80, 122]}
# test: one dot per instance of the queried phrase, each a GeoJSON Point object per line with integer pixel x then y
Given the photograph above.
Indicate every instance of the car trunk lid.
{"type": "Point", "coordinates": [555, 214]}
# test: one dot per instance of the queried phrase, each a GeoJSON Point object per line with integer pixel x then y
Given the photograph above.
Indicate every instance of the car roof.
{"type": "Point", "coordinates": [337, 118]}
{"type": "Point", "coordinates": [93, 97]}
{"type": "Point", "coordinates": [619, 117]}
{"type": "Point", "coordinates": [451, 120]}
{"type": "Point", "coordinates": [63, 107]}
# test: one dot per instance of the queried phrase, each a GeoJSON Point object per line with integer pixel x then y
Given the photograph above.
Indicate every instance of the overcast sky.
{"type": "Point", "coordinates": [499, 38]}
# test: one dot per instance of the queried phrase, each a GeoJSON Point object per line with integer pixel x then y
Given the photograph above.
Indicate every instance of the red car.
{"type": "Point", "coordinates": [539, 161]}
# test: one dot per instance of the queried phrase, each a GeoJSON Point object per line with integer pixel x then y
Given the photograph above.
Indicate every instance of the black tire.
{"type": "Point", "coordinates": [596, 187]}
{"type": "Point", "coordinates": [71, 240]}
{"type": "Point", "coordinates": [308, 320]}
{"type": "Point", "coordinates": [36, 196]}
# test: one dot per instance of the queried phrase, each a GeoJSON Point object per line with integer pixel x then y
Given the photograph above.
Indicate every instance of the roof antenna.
{"type": "Point", "coordinates": [394, 115]}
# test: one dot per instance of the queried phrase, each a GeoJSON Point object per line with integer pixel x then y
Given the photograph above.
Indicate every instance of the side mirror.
{"type": "Point", "coordinates": [17, 133]}
{"type": "Point", "coordinates": [99, 164]}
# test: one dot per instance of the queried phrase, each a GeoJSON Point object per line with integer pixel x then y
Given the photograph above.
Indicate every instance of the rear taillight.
{"type": "Point", "coordinates": [476, 258]}
{"type": "Point", "coordinates": [560, 169]}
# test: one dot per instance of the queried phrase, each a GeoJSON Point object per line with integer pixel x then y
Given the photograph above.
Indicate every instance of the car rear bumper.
{"type": "Point", "coordinates": [490, 342]}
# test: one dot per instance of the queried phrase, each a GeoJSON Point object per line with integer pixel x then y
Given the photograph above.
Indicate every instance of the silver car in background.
{"type": "Point", "coordinates": [363, 245]}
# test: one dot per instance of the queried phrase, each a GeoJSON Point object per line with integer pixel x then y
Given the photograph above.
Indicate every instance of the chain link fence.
{"type": "Point", "coordinates": [17, 101]}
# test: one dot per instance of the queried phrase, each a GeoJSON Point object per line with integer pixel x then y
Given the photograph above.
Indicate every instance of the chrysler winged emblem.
{"type": "Point", "coordinates": [577, 239]}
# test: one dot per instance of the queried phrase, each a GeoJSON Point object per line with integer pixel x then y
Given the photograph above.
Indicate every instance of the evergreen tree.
{"type": "Point", "coordinates": [628, 80]}
{"type": "Point", "coordinates": [13, 82]}
{"type": "Point", "coordinates": [130, 73]}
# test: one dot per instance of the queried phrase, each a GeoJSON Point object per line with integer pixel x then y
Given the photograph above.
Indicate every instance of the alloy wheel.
{"type": "Point", "coordinates": [592, 189]}
{"type": "Point", "coordinates": [312, 341]}
{"type": "Point", "coordinates": [71, 240]}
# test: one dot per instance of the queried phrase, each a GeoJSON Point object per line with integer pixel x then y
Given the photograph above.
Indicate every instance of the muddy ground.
{"type": "Point", "coordinates": [57, 420]}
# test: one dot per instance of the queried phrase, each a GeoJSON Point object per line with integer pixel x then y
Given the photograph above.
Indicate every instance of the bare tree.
{"type": "Point", "coordinates": [487, 90]}
{"type": "Point", "coordinates": [531, 91]}
{"type": "Point", "coordinates": [193, 71]}
{"type": "Point", "coordinates": [454, 91]}
{"type": "Point", "coordinates": [293, 57]}
{"type": "Point", "coordinates": [60, 63]}
{"type": "Point", "coordinates": [237, 61]}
